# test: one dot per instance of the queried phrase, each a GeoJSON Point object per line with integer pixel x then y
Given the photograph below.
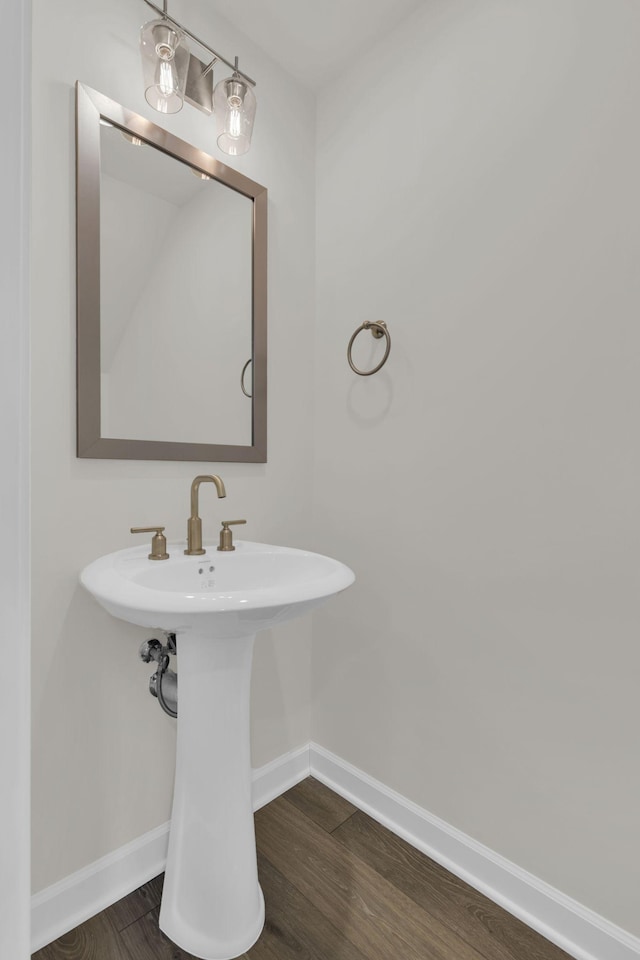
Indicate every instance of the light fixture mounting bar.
{"type": "Point", "coordinates": [209, 66]}
{"type": "Point", "coordinates": [201, 43]}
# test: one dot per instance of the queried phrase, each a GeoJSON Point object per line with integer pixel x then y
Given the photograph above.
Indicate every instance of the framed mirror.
{"type": "Point", "coordinates": [171, 295]}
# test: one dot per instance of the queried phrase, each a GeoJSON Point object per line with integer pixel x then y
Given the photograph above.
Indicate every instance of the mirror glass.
{"type": "Point", "coordinates": [171, 295]}
{"type": "Point", "coordinates": [175, 299]}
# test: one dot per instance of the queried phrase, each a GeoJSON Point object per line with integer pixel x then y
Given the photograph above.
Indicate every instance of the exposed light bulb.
{"type": "Point", "coordinates": [234, 122]}
{"type": "Point", "coordinates": [167, 81]}
{"type": "Point", "coordinates": [235, 102]}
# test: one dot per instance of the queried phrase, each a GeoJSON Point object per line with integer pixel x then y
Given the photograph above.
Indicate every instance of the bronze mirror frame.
{"type": "Point", "coordinates": [91, 107]}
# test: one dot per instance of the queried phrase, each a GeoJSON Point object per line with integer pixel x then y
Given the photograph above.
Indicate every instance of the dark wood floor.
{"type": "Point", "coordinates": [337, 886]}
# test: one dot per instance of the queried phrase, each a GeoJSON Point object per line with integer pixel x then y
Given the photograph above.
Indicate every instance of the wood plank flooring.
{"type": "Point", "coordinates": [337, 886]}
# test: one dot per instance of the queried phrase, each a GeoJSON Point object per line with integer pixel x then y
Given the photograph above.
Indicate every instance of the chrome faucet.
{"type": "Point", "coordinates": [194, 524]}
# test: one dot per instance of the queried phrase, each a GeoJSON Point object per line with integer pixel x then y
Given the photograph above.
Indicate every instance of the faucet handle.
{"type": "Point", "coordinates": [158, 542]}
{"type": "Point", "coordinates": [226, 535]}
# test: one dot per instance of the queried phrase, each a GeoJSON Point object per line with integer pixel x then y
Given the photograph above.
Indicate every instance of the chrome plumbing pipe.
{"type": "Point", "coordinates": [163, 684]}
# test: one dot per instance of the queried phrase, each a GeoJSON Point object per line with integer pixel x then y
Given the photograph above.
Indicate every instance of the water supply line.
{"type": "Point", "coordinates": [163, 684]}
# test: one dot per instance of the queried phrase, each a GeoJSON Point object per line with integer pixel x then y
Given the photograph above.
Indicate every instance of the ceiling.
{"type": "Point", "coordinates": [315, 42]}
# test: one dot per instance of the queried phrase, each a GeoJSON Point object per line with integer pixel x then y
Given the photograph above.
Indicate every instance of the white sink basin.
{"type": "Point", "coordinates": [212, 905]}
{"type": "Point", "coordinates": [222, 594]}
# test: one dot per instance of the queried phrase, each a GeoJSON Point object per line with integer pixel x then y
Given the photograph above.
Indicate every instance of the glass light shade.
{"type": "Point", "coordinates": [234, 104]}
{"type": "Point", "coordinates": [165, 64]}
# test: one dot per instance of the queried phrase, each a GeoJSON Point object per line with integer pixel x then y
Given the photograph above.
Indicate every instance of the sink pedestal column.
{"type": "Point", "coordinates": [212, 904]}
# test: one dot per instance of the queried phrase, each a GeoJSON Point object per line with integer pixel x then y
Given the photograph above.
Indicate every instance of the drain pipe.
{"type": "Point", "coordinates": [163, 684]}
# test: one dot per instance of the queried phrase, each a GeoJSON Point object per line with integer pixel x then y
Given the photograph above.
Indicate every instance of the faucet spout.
{"type": "Point", "coordinates": [194, 524]}
{"type": "Point", "coordinates": [195, 489]}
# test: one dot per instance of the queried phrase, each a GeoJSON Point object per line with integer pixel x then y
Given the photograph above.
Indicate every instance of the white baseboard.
{"type": "Point", "coordinates": [62, 906]}
{"type": "Point", "coordinates": [580, 932]}
{"type": "Point", "coordinates": [280, 775]}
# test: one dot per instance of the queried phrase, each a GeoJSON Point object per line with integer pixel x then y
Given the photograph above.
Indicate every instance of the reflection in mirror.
{"type": "Point", "coordinates": [175, 299]}
{"type": "Point", "coordinates": [171, 295]}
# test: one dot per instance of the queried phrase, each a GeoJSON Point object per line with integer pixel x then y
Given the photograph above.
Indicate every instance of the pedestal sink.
{"type": "Point", "coordinates": [212, 905]}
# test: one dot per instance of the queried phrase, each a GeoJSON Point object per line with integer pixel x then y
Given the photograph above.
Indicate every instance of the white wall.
{"type": "Point", "coordinates": [14, 491]}
{"type": "Point", "coordinates": [102, 749]}
{"type": "Point", "coordinates": [478, 190]}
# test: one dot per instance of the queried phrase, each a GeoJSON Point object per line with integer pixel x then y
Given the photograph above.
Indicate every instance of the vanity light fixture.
{"type": "Point", "coordinates": [234, 104]}
{"type": "Point", "coordinates": [165, 63]}
{"type": "Point", "coordinates": [172, 74]}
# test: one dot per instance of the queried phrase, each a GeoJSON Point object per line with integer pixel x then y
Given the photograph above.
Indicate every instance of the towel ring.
{"type": "Point", "coordinates": [244, 370]}
{"type": "Point", "coordinates": [378, 330]}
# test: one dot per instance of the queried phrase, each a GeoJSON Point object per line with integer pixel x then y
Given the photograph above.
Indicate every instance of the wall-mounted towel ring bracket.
{"type": "Point", "coordinates": [378, 330]}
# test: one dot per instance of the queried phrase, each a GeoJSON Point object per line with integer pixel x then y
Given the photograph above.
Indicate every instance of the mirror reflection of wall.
{"type": "Point", "coordinates": [175, 299]}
